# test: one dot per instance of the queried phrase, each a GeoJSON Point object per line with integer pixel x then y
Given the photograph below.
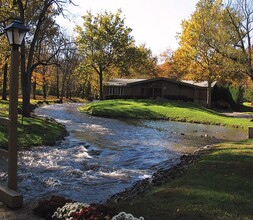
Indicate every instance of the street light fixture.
{"type": "Point", "coordinates": [15, 33]}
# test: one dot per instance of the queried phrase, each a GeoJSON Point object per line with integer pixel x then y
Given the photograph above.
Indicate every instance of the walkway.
{"type": "Point", "coordinates": [24, 213]}
{"type": "Point", "coordinates": [238, 114]}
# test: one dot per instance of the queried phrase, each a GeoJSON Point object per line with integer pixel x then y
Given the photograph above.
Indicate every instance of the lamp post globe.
{"type": "Point", "coordinates": [15, 32]}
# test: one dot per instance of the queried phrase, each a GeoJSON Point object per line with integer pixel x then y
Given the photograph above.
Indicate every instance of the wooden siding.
{"type": "Point", "coordinates": [157, 88]}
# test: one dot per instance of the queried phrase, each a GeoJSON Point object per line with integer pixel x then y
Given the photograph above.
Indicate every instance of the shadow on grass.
{"type": "Point", "coordinates": [34, 131]}
{"type": "Point", "coordinates": [139, 113]}
{"type": "Point", "coordinates": [179, 104]}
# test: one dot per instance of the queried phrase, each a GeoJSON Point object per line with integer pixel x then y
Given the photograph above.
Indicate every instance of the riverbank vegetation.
{"type": "Point", "coordinates": [32, 131]}
{"type": "Point", "coordinates": [169, 110]}
{"type": "Point", "coordinates": [218, 186]}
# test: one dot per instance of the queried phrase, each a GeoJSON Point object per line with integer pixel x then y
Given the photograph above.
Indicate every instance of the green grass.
{"type": "Point", "coordinates": [33, 131]}
{"type": "Point", "coordinates": [170, 110]}
{"type": "Point", "coordinates": [218, 186]}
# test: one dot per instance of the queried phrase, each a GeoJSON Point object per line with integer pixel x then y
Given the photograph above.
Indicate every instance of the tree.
{"type": "Point", "coordinates": [68, 61]}
{"type": "Point", "coordinates": [140, 62]}
{"type": "Point", "coordinates": [165, 68]}
{"type": "Point", "coordinates": [105, 42]}
{"type": "Point", "coordinates": [36, 81]}
{"type": "Point", "coordinates": [196, 58]}
{"type": "Point", "coordinates": [4, 59]}
{"type": "Point", "coordinates": [87, 78]}
{"type": "Point", "coordinates": [39, 16]}
{"type": "Point", "coordinates": [49, 47]}
{"type": "Point", "coordinates": [240, 13]}
{"type": "Point", "coordinates": [5, 75]}
{"type": "Point", "coordinates": [233, 36]}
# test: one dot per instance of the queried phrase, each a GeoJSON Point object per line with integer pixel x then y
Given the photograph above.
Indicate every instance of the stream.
{"type": "Point", "coordinates": [102, 156]}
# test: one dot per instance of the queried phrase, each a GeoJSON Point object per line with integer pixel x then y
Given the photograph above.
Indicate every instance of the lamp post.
{"type": "Point", "coordinates": [15, 33]}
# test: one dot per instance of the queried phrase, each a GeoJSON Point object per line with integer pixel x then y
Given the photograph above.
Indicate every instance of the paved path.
{"type": "Point", "coordinates": [24, 213]}
{"type": "Point", "coordinates": [238, 114]}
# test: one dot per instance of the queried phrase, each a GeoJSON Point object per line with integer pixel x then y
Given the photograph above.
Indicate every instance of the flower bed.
{"type": "Point", "coordinates": [59, 208]}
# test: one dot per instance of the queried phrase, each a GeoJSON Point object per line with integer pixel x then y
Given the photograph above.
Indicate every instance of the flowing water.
{"type": "Point", "coordinates": [101, 156]}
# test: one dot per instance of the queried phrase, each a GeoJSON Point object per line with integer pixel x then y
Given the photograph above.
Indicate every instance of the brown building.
{"type": "Point", "coordinates": [157, 88]}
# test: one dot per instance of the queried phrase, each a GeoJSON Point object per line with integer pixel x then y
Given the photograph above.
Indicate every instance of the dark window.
{"type": "Point", "coordinates": [116, 90]}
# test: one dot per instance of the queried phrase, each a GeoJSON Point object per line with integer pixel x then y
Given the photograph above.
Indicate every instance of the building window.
{"type": "Point", "coordinates": [116, 91]}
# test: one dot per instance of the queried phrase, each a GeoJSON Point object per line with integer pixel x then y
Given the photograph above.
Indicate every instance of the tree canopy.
{"type": "Point", "coordinates": [215, 45]}
{"type": "Point", "coordinates": [209, 45]}
{"type": "Point", "coordinates": [105, 42]}
{"type": "Point", "coordinates": [40, 17]}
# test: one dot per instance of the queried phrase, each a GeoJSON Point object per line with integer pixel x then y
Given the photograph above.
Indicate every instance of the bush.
{"type": "Point", "coordinates": [57, 207]}
{"type": "Point", "coordinates": [47, 207]}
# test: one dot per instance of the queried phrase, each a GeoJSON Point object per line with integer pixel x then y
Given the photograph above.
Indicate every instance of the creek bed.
{"type": "Point", "coordinates": [102, 156]}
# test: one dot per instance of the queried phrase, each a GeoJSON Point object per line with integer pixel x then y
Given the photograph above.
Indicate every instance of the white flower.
{"type": "Point", "coordinates": [125, 216]}
{"type": "Point", "coordinates": [66, 211]}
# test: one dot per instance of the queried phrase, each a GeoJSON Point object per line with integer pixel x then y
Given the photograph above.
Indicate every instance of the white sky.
{"type": "Point", "coordinates": [154, 22]}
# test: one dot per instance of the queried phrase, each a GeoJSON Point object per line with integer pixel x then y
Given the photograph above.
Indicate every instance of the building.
{"type": "Point", "coordinates": [157, 88]}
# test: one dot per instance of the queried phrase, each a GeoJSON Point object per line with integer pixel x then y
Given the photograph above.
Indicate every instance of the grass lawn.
{"type": "Point", "coordinates": [33, 131]}
{"type": "Point", "coordinates": [218, 186]}
{"type": "Point", "coordinates": [170, 110]}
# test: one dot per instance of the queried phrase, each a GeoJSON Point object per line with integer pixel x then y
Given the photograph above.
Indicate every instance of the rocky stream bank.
{"type": "Point", "coordinates": [161, 176]}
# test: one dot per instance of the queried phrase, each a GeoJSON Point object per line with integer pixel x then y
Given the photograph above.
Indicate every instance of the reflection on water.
{"type": "Point", "coordinates": [101, 156]}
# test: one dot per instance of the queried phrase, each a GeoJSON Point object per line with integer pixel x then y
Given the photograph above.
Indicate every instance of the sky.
{"type": "Point", "coordinates": [155, 23]}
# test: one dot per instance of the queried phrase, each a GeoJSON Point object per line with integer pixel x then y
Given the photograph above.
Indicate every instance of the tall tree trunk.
{"type": "Point", "coordinates": [101, 94]}
{"type": "Point", "coordinates": [239, 98]}
{"type": "Point", "coordinates": [88, 90]}
{"type": "Point", "coordinates": [82, 92]}
{"type": "Point", "coordinates": [67, 90]}
{"type": "Point", "coordinates": [44, 91]}
{"type": "Point", "coordinates": [26, 70]}
{"type": "Point", "coordinates": [34, 88]}
{"type": "Point", "coordinates": [250, 72]}
{"type": "Point", "coordinates": [63, 89]}
{"type": "Point", "coordinates": [26, 91]}
{"type": "Point", "coordinates": [70, 90]}
{"type": "Point", "coordinates": [44, 88]}
{"type": "Point", "coordinates": [25, 84]}
{"type": "Point", "coordinates": [57, 82]}
{"type": "Point", "coordinates": [26, 63]}
{"type": "Point", "coordinates": [4, 91]}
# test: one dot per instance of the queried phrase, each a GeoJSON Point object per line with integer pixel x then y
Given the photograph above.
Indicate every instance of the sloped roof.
{"type": "Point", "coordinates": [203, 84]}
{"type": "Point", "coordinates": [122, 82]}
{"type": "Point", "coordinates": [128, 82]}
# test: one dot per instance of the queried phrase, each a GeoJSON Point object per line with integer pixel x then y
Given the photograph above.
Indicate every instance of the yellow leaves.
{"type": "Point", "coordinates": [196, 58]}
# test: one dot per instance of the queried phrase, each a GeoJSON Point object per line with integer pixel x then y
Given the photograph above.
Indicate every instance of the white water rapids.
{"type": "Point", "coordinates": [101, 157]}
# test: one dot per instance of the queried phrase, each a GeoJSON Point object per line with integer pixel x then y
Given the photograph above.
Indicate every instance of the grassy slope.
{"type": "Point", "coordinates": [219, 186]}
{"type": "Point", "coordinates": [32, 131]}
{"type": "Point", "coordinates": [172, 110]}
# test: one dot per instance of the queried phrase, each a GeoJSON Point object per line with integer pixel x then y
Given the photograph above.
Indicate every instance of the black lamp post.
{"type": "Point", "coordinates": [15, 33]}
